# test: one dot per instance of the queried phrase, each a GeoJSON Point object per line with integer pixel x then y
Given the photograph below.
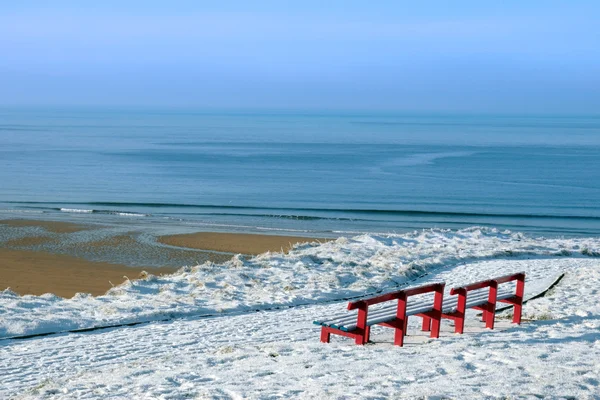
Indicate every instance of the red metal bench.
{"type": "Point", "coordinates": [455, 308]}
{"type": "Point", "coordinates": [396, 317]}
{"type": "Point", "coordinates": [357, 326]}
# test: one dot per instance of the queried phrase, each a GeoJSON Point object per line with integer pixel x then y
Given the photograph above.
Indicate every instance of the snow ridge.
{"type": "Point", "coordinates": [309, 273]}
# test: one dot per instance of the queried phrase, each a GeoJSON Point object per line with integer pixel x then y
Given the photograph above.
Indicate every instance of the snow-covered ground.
{"type": "Point", "coordinates": [276, 353]}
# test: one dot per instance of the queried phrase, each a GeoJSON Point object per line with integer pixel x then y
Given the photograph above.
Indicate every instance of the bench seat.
{"type": "Point", "coordinates": [347, 321]}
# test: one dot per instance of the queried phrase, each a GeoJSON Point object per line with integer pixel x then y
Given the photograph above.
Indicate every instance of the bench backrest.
{"type": "Point", "coordinates": [519, 277]}
{"type": "Point", "coordinates": [400, 294]}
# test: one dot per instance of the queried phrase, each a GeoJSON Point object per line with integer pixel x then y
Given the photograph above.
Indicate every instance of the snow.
{"type": "Point", "coordinates": [276, 353]}
{"type": "Point", "coordinates": [310, 274]}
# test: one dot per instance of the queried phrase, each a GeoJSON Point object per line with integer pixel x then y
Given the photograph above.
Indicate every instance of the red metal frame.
{"type": "Point", "coordinates": [362, 332]}
{"type": "Point", "coordinates": [489, 307]}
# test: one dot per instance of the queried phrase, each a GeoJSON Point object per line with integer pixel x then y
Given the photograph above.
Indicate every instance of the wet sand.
{"type": "Point", "coordinates": [48, 262]}
{"type": "Point", "coordinates": [51, 226]}
{"type": "Point", "coordinates": [38, 272]}
{"type": "Point", "coordinates": [241, 243]}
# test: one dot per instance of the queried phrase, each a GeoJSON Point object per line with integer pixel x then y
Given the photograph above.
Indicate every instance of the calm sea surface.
{"type": "Point", "coordinates": [317, 173]}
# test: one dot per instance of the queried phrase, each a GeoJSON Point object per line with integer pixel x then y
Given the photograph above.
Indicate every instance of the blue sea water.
{"type": "Point", "coordinates": [316, 173]}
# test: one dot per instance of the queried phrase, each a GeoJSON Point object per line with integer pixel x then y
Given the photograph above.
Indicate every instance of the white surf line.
{"type": "Point", "coordinates": [211, 315]}
{"type": "Point", "coordinates": [309, 274]}
{"type": "Point", "coordinates": [419, 279]}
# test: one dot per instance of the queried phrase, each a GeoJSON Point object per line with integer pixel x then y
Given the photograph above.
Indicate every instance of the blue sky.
{"type": "Point", "coordinates": [511, 56]}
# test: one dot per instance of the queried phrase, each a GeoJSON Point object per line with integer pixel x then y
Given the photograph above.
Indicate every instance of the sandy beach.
{"type": "Point", "coordinates": [36, 272]}
{"type": "Point", "coordinates": [38, 257]}
{"type": "Point", "coordinates": [51, 226]}
{"type": "Point", "coordinates": [242, 243]}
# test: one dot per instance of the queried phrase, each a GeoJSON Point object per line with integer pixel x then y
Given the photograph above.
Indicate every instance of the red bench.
{"type": "Point", "coordinates": [455, 308]}
{"type": "Point", "coordinates": [394, 316]}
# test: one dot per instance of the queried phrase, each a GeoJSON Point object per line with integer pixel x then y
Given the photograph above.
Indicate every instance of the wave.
{"type": "Point", "coordinates": [286, 216]}
{"type": "Point", "coordinates": [300, 213]}
{"type": "Point", "coordinates": [110, 212]}
{"type": "Point", "coordinates": [136, 214]}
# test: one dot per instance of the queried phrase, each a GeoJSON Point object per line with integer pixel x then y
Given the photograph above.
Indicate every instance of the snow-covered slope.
{"type": "Point", "coordinates": [309, 274]}
{"type": "Point", "coordinates": [277, 354]}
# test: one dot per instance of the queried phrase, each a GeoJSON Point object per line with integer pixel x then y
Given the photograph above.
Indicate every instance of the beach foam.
{"type": "Point", "coordinates": [309, 274]}
{"type": "Point", "coordinates": [75, 210]}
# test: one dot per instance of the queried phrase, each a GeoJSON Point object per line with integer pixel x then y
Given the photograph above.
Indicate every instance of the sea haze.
{"type": "Point", "coordinates": [320, 173]}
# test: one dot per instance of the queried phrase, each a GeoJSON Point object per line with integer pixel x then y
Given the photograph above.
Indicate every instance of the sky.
{"type": "Point", "coordinates": [468, 56]}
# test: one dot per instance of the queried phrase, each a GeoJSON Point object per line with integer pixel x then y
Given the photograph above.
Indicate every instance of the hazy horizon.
{"type": "Point", "coordinates": [534, 58]}
{"type": "Point", "coordinates": [315, 111]}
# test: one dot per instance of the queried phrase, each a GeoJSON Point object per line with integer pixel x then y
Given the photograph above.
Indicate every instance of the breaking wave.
{"type": "Point", "coordinates": [298, 213]}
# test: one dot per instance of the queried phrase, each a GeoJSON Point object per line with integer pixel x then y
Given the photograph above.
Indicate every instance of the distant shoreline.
{"type": "Point", "coordinates": [63, 258]}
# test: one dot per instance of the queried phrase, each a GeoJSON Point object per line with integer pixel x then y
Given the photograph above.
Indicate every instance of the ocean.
{"type": "Point", "coordinates": [319, 174]}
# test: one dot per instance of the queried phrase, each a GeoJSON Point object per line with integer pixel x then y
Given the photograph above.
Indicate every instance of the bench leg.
{"type": "Point", "coordinates": [517, 310]}
{"type": "Point", "coordinates": [461, 308]}
{"type": "Point", "coordinates": [436, 313]}
{"type": "Point", "coordinates": [399, 335]}
{"type": "Point", "coordinates": [426, 324]}
{"type": "Point", "coordinates": [362, 338]}
{"type": "Point", "coordinates": [435, 327]}
{"type": "Point", "coordinates": [491, 316]}
{"type": "Point", "coordinates": [459, 325]}
{"type": "Point", "coordinates": [325, 335]}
